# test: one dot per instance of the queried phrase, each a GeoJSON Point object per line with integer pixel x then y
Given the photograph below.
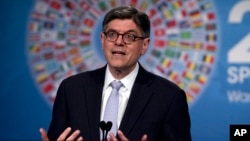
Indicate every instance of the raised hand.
{"type": "Point", "coordinates": [123, 137]}
{"type": "Point", "coordinates": [44, 135]}
{"type": "Point", "coordinates": [62, 136]}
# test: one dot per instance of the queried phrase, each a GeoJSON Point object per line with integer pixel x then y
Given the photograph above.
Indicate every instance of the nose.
{"type": "Point", "coordinates": [119, 40]}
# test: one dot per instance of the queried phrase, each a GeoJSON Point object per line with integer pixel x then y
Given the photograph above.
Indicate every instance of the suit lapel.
{"type": "Point", "coordinates": [140, 95]}
{"type": "Point", "coordinates": [93, 100]}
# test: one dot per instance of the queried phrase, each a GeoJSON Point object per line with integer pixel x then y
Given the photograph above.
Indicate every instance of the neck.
{"type": "Point", "coordinates": [119, 73]}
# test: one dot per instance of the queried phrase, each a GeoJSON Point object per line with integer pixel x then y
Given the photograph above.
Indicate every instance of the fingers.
{"type": "Point", "coordinates": [80, 139]}
{"type": "Point", "coordinates": [121, 135]}
{"type": "Point", "coordinates": [112, 137]}
{"type": "Point", "coordinates": [43, 134]}
{"type": "Point", "coordinates": [144, 138]}
{"type": "Point", "coordinates": [73, 136]}
{"type": "Point", "coordinates": [64, 134]}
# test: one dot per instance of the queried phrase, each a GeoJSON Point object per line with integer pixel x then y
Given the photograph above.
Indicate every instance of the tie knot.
{"type": "Point", "coordinates": [116, 84]}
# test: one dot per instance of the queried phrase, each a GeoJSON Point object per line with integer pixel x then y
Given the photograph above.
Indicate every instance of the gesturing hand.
{"type": "Point", "coordinates": [43, 134]}
{"type": "Point", "coordinates": [62, 136]}
{"type": "Point", "coordinates": [123, 137]}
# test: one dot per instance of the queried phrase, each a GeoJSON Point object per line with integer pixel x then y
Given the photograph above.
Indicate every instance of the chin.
{"type": "Point", "coordinates": [116, 65]}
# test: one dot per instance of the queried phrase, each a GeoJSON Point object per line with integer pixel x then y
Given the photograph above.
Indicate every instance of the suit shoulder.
{"type": "Point", "coordinates": [155, 80]}
{"type": "Point", "coordinates": [78, 76]}
{"type": "Point", "coordinates": [85, 77]}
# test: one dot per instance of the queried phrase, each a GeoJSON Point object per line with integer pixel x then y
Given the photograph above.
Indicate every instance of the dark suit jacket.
{"type": "Point", "coordinates": [156, 107]}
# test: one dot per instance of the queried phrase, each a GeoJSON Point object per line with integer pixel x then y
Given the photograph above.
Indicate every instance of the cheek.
{"type": "Point", "coordinates": [104, 46]}
{"type": "Point", "coordinates": [137, 52]}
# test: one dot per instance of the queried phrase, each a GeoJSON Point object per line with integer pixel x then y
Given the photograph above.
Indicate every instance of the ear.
{"type": "Point", "coordinates": [145, 46]}
{"type": "Point", "coordinates": [102, 39]}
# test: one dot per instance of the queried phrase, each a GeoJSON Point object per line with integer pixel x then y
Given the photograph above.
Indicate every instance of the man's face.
{"type": "Point", "coordinates": [118, 54]}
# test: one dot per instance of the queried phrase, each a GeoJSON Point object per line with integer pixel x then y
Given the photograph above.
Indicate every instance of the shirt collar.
{"type": "Point", "coordinates": [127, 81]}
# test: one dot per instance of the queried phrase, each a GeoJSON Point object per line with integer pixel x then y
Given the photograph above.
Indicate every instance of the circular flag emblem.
{"type": "Point", "coordinates": [63, 39]}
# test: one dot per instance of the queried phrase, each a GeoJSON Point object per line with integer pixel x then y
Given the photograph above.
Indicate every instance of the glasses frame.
{"type": "Point", "coordinates": [136, 38]}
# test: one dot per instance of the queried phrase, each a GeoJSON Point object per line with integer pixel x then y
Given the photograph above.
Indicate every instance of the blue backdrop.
{"type": "Point", "coordinates": [202, 45]}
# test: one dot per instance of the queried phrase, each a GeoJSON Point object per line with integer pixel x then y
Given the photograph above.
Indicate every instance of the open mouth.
{"type": "Point", "coordinates": [118, 53]}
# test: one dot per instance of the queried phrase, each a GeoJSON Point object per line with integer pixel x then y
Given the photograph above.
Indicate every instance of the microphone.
{"type": "Point", "coordinates": [105, 127]}
{"type": "Point", "coordinates": [108, 128]}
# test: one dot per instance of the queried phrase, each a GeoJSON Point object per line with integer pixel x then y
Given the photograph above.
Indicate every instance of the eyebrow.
{"type": "Point", "coordinates": [129, 31]}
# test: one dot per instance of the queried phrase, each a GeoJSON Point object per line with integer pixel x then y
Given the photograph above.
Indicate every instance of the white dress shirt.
{"type": "Point", "coordinates": [124, 91]}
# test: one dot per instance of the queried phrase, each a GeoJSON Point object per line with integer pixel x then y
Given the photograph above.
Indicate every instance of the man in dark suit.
{"type": "Point", "coordinates": [150, 107]}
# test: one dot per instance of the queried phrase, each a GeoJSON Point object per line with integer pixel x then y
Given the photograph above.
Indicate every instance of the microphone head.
{"type": "Point", "coordinates": [103, 125]}
{"type": "Point", "coordinates": [108, 125]}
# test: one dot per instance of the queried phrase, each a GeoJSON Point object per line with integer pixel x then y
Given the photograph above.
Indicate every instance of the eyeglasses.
{"type": "Point", "coordinates": [127, 38]}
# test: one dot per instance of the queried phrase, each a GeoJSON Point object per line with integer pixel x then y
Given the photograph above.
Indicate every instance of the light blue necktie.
{"type": "Point", "coordinates": [111, 110]}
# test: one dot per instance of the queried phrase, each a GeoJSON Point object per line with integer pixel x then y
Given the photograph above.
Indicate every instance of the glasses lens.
{"type": "Point", "coordinates": [111, 36]}
{"type": "Point", "coordinates": [128, 38]}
